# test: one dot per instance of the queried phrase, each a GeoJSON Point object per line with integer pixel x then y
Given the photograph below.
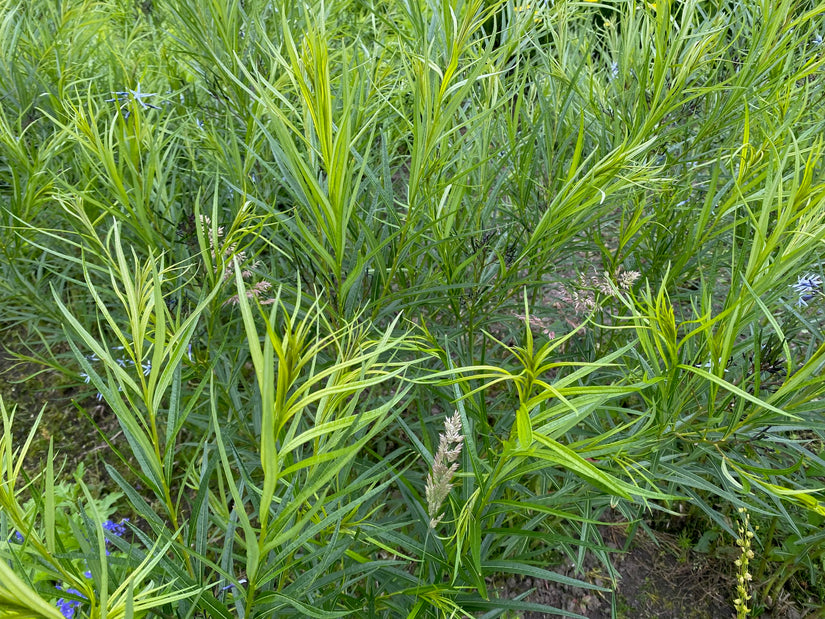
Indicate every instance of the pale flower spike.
{"type": "Point", "coordinates": [541, 324]}
{"type": "Point", "coordinates": [444, 467]}
{"type": "Point", "coordinates": [256, 291]}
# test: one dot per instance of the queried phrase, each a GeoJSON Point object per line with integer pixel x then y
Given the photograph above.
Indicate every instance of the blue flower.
{"type": "Point", "coordinates": [116, 528]}
{"type": "Point", "coordinates": [125, 96]}
{"type": "Point", "coordinates": [68, 606]}
{"type": "Point", "coordinates": [806, 287]}
{"type": "Point", "coordinates": [242, 581]}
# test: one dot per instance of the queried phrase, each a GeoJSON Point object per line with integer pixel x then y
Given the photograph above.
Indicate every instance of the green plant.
{"type": "Point", "coordinates": [284, 241]}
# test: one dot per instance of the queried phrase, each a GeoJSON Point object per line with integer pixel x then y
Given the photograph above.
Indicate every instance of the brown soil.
{"type": "Point", "coordinates": [27, 388]}
{"type": "Point", "coordinates": [657, 580]}
{"type": "Point", "coordinates": [653, 583]}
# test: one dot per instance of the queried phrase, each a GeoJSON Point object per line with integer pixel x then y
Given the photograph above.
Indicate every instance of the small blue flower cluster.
{"type": "Point", "coordinates": [68, 606]}
{"type": "Point", "coordinates": [124, 97]}
{"type": "Point", "coordinates": [806, 287]}
{"type": "Point", "coordinates": [146, 368]}
{"type": "Point", "coordinates": [116, 528]}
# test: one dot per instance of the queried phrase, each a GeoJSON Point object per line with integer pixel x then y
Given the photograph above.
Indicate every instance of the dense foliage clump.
{"type": "Point", "coordinates": [390, 298]}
